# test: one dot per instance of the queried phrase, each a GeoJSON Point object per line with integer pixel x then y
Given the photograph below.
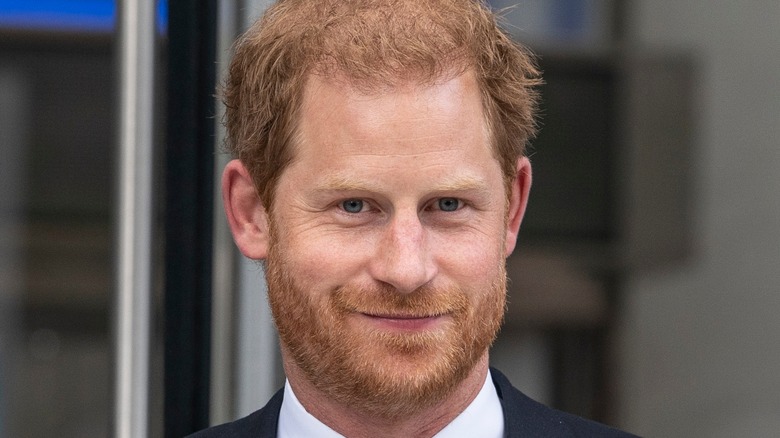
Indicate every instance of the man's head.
{"type": "Point", "coordinates": [372, 45]}
{"type": "Point", "coordinates": [385, 141]}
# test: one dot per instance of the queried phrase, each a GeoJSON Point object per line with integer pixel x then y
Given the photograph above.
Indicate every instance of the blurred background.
{"type": "Point", "coordinates": [644, 291]}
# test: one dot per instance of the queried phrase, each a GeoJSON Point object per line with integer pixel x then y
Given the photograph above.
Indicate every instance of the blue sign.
{"type": "Point", "coordinates": [67, 15]}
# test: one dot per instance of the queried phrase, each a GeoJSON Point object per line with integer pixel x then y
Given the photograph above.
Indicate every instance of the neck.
{"type": "Point", "coordinates": [351, 423]}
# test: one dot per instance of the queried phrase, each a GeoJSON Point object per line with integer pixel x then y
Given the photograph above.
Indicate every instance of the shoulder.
{"type": "Point", "coordinates": [260, 424]}
{"type": "Point", "coordinates": [524, 417]}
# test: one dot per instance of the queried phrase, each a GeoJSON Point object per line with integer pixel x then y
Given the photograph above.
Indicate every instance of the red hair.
{"type": "Point", "coordinates": [373, 44]}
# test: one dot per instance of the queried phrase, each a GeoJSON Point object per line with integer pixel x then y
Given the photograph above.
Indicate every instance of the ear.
{"type": "Point", "coordinates": [246, 215]}
{"type": "Point", "coordinates": [521, 186]}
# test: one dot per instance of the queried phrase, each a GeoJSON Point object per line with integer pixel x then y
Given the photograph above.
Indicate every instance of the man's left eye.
{"type": "Point", "coordinates": [449, 204]}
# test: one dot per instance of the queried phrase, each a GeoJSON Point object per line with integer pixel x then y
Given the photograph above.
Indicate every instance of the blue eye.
{"type": "Point", "coordinates": [352, 205]}
{"type": "Point", "coordinates": [449, 204]}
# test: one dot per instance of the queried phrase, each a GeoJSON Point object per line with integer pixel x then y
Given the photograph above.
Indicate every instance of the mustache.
{"type": "Point", "coordinates": [385, 300]}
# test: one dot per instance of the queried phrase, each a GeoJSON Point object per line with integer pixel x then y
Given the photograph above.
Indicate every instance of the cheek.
{"type": "Point", "coordinates": [475, 260]}
{"type": "Point", "coordinates": [327, 261]}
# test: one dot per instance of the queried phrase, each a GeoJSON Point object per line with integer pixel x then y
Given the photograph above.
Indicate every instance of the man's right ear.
{"type": "Point", "coordinates": [246, 214]}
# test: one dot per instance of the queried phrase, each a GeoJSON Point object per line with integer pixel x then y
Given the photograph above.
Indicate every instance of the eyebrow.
{"type": "Point", "coordinates": [340, 183]}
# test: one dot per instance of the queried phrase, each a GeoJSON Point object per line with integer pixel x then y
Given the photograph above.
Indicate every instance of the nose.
{"type": "Point", "coordinates": [402, 259]}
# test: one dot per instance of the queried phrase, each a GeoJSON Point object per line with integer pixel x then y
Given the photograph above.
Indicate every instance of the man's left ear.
{"type": "Point", "coordinates": [518, 200]}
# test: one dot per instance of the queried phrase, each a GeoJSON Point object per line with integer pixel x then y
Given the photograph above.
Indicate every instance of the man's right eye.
{"type": "Point", "coordinates": [352, 205]}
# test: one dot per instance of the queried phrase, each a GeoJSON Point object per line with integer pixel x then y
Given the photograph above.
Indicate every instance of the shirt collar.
{"type": "Point", "coordinates": [483, 417]}
{"type": "Point", "coordinates": [295, 421]}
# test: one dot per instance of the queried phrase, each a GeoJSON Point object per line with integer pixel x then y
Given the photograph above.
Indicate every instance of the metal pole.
{"type": "Point", "coordinates": [189, 219]}
{"type": "Point", "coordinates": [133, 301]}
{"type": "Point", "coordinates": [221, 405]}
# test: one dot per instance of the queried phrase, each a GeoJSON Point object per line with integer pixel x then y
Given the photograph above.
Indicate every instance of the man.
{"type": "Point", "coordinates": [381, 177]}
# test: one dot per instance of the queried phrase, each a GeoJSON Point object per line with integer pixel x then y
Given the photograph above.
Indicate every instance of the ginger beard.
{"type": "Point", "coordinates": [388, 374]}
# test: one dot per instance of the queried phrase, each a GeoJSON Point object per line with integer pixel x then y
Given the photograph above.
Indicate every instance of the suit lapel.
{"type": "Point", "coordinates": [264, 423]}
{"type": "Point", "coordinates": [524, 417]}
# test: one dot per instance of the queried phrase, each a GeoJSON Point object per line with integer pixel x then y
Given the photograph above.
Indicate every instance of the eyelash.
{"type": "Point", "coordinates": [366, 204]}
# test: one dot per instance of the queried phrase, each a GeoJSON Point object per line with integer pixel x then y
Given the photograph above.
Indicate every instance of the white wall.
{"type": "Point", "coordinates": [700, 344]}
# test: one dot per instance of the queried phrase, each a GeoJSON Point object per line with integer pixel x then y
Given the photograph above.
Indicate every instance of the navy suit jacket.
{"type": "Point", "coordinates": [523, 417]}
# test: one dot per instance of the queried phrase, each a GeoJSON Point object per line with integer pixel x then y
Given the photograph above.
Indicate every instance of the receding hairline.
{"type": "Point", "coordinates": [403, 83]}
{"type": "Point", "coordinates": [380, 44]}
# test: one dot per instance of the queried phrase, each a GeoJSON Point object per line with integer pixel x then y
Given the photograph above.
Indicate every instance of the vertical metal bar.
{"type": "Point", "coordinates": [189, 171]}
{"type": "Point", "coordinates": [133, 301]}
{"type": "Point", "coordinates": [223, 327]}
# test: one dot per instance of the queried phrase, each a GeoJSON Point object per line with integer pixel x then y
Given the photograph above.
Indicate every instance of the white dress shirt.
{"type": "Point", "coordinates": [483, 418]}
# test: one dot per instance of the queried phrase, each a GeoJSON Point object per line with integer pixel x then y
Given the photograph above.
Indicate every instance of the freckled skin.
{"type": "Point", "coordinates": [402, 146]}
{"type": "Point", "coordinates": [358, 241]}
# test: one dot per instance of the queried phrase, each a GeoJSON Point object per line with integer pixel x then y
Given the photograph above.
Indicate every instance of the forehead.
{"type": "Point", "coordinates": [408, 140]}
{"type": "Point", "coordinates": [402, 117]}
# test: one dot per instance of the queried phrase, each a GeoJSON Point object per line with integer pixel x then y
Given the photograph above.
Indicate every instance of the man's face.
{"type": "Point", "coordinates": [386, 261]}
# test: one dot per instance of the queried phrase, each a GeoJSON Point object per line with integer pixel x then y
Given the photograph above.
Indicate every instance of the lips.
{"type": "Point", "coordinates": [399, 316]}
{"type": "Point", "coordinates": [404, 321]}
